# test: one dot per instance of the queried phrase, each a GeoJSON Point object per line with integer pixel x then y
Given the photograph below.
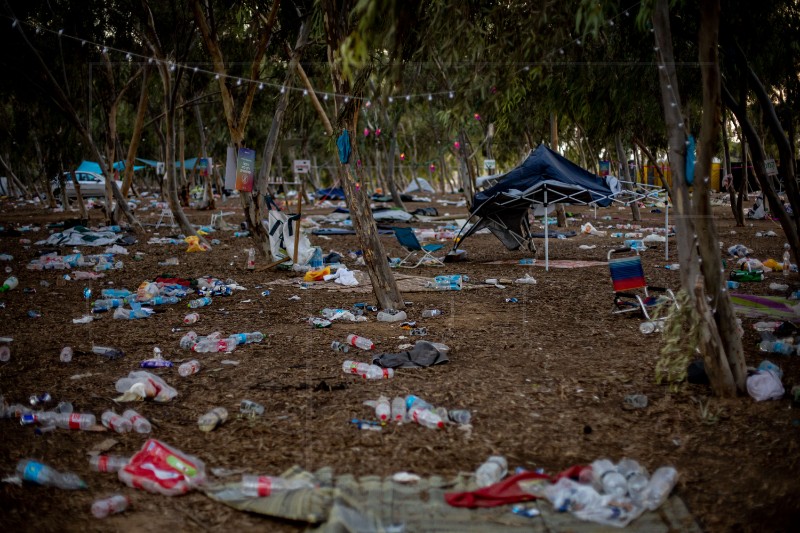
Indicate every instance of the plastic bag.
{"type": "Point", "coordinates": [162, 469]}
{"type": "Point", "coordinates": [140, 385]}
{"type": "Point", "coordinates": [587, 504]}
{"type": "Point", "coordinates": [194, 244]}
{"type": "Point", "coordinates": [765, 385]}
{"type": "Point", "coordinates": [317, 275]}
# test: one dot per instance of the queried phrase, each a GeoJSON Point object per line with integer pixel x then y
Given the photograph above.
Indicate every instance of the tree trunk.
{"type": "Point", "coordinates": [626, 175]}
{"type": "Point", "coordinates": [561, 215]}
{"type": "Point", "coordinates": [687, 249]}
{"type": "Point", "coordinates": [209, 177]}
{"type": "Point", "coordinates": [724, 341]}
{"type": "Point", "coordinates": [136, 136]}
{"type": "Point", "coordinates": [79, 196]}
{"type": "Point", "coordinates": [736, 202]}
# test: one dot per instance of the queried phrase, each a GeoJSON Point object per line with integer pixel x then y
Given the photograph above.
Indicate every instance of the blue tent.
{"type": "Point", "coordinates": [148, 162]}
{"type": "Point", "coordinates": [543, 179]}
{"type": "Point", "coordinates": [89, 166]}
{"type": "Point", "coordinates": [188, 163]}
{"type": "Point", "coordinates": [120, 165]}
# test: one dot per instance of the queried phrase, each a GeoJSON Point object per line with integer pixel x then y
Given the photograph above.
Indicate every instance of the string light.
{"type": "Point", "coordinates": [283, 89]}
{"type": "Point", "coordinates": [391, 100]}
{"type": "Point", "coordinates": [408, 98]}
{"type": "Point", "coordinates": [14, 23]}
{"type": "Point", "coordinates": [305, 92]}
{"type": "Point", "coordinates": [430, 97]}
{"type": "Point", "coordinates": [260, 86]}
{"type": "Point", "coordinates": [239, 81]}
{"type": "Point", "coordinates": [60, 32]}
{"type": "Point", "coordinates": [451, 94]}
{"type": "Point", "coordinates": [325, 97]}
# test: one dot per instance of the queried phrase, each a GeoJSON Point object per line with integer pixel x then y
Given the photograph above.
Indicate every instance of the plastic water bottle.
{"type": "Point", "coordinates": [661, 484]}
{"type": "Point", "coordinates": [191, 318]}
{"type": "Point", "coordinates": [787, 260]}
{"type": "Point", "coordinates": [212, 419]}
{"type": "Point", "coordinates": [140, 424]}
{"type": "Point", "coordinates": [607, 478]}
{"type": "Point", "coordinates": [366, 370]}
{"type": "Point", "coordinates": [120, 313]}
{"type": "Point", "coordinates": [108, 463]}
{"type": "Point", "coordinates": [459, 416]}
{"type": "Point", "coordinates": [189, 368]}
{"type": "Point", "coordinates": [673, 266]}
{"type": "Point", "coordinates": [635, 475]}
{"type": "Point", "coordinates": [399, 409]}
{"type": "Point", "coordinates": [115, 293]}
{"type": "Point", "coordinates": [779, 287]}
{"type": "Point", "coordinates": [360, 342]}
{"type": "Point", "coordinates": [200, 302]}
{"type": "Point", "coordinates": [391, 315]}
{"type": "Point", "coordinates": [263, 486]}
{"type": "Point", "coordinates": [248, 338]}
{"type": "Point", "coordinates": [316, 259]}
{"type": "Point", "coordinates": [111, 505]}
{"type": "Point", "coordinates": [766, 326]}
{"type": "Point", "coordinates": [74, 420]}
{"type": "Point", "coordinates": [383, 409]}
{"type": "Point", "coordinates": [249, 407]}
{"type": "Point", "coordinates": [422, 413]}
{"type": "Point", "coordinates": [251, 259]}
{"type": "Point", "coordinates": [107, 304]}
{"type": "Point", "coordinates": [241, 233]}
{"type": "Point", "coordinates": [493, 470]}
{"type": "Point", "coordinates": [430, 313]}
{"type": "Point", "coordinates": [188, 340]}
{"type": "Point", "coordinates": [164, 300]}
{"type": "Point", "coordinates": [9, 284]}
{"type": "Point", "coordinates": [113, 421]}
{"type": "Point", "coordinates": [777, 347]}
{"type": "Point", "coordinates": [337, 346]}
{"type": "Point", "coordinates": [35, 472]}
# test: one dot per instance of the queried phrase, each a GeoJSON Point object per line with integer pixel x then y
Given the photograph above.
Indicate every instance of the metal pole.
{"type": "Point", "coordinates": [546, 241]}
{"type": "Point", "coordinates": [666, 228]}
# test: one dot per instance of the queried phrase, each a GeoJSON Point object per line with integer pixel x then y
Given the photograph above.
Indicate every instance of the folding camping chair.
{"type": "Point", "coordinates": [408, 240]}
{"type": "Point", "coordinates": [166, 216]}
{"type": "Point", "coordinates": [627, 275]}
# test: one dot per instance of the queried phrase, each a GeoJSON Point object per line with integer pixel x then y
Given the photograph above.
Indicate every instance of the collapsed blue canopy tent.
{"type": "Point", "coordinates": [188, 163]}
{"type": "Point", "coordinates": [120, 165]}
{"type": "Point", "coordinates": [543, 179]}
{"type": "Point", "coordinates": [333, 193]}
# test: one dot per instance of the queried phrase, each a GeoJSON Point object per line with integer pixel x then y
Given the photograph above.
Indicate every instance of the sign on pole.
{"type": "Point", "coordinates": [245, 165]}
{"type": "Point", "coordinates": [605, 167]}
{"type": "Point", "coordinates": [489, 165]}
{"type": "Point", "coordinates": [302, 166]}
{"type": "Point", "coordinates": [770, 167]}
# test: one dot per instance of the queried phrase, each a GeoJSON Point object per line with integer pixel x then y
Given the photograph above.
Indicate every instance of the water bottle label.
{"type": "Point", "coordinates": [32, 471]}
{"type": "Point", "coordinates": [102, 463]}
{"type": "Point", "coordinates": [75, 421]}
{"type": "Point", "coordinates": [264, 486]}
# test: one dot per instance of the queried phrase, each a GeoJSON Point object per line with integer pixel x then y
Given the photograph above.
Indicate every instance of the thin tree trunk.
{"type": "Point", "coordinates": [625, 172]}
{"type": "Point", "coordinates": [209, 177]}
{"type": "Point", "coordinates": [738, 215]}
{"type": "Point", "coordinates": [136, 136]}
{"type": "Point", "coordinates": [723, 340]}
{"type": "Point", "coordinates": [561, 215]}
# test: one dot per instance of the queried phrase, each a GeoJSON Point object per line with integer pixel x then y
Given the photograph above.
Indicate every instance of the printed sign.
{"type": "Point", "coordinates": [245, 168]}
{"type": "Point", "coordinates": [230, 168]}
{"type": "Point", "coordinates": [489, 164]}
{"type": "Point", "coordinates": [770, 167]}
{"type": "Point", "coordinates": [605, 168]}
{"type": "Point", "coordinates": [302, 166]}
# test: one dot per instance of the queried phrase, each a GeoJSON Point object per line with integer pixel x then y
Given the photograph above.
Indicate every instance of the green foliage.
{"type": "Point", "coordinates": [681, 336]}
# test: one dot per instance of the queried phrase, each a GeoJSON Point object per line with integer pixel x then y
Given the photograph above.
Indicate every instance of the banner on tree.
{"type": "Point", "coordinates": [245, 167]}
{"type": "Point", "coordinates": [605, 168]}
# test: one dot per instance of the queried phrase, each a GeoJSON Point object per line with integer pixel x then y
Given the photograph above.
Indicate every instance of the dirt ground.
{"type": "Point", "coordinates": [544, 378]}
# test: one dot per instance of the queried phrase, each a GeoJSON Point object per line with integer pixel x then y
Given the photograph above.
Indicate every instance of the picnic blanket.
{"type": "Point", "coordinates": [82, 236]}
{"type": "Point", "coordinates": [554, 263]}
{"type": "Point", "coordinates": [754, 306]}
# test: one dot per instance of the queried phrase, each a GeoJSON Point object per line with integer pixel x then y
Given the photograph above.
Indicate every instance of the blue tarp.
{"type": "Point", "coordinates": [120, 165]}
{"type": "Point", "coordinates": [188, 163]}
{"type": "Point", "coordinates": [148, 162]}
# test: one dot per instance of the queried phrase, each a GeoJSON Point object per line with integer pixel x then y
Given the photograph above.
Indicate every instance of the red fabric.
{"type": "Point", "coordinates": [505, 491]}
{"type": "Point", "coordinates": [174, 281]}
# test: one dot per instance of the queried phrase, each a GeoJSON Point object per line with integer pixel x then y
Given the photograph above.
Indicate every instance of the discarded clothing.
{"type": "Point", "coordinates": [82, 236]}
{"type": "Point", "coordinates": [423, 354]}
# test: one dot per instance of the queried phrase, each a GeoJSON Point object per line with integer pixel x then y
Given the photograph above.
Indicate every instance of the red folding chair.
{"type": "Point", "coordinates": [631, 292]}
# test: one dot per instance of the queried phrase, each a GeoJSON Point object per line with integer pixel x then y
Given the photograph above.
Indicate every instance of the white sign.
{"type": "Point", "coordinates": [770, 167]}
{"type": "Point", "coordinates": [488, 164]}
{"type": "Point", "coordinates": [302, 166]}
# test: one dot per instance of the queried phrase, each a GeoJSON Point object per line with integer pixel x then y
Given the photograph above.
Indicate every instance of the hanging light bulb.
{"type": "Point", "coordinates": [305, 92]}
{"type": "Point", "coordinates": [216, 76]}
{"type": "Point", "coordinates": [432, 168]}
{"type": "Point", "coordinates": [149, 60]}
{"type": "Point", "coordinates": [195, 69]}
{"type": "Point", "coordinates": [451, 94]}
{"type": "Point", "coordinates": [172, 67]}
{"type": "Point", "coordinates": [239, 81]}
{"type": "Point", "coordinates": [283, 89]}
{"type": "Point", "coordinates": [14, 23]}
{"type": "Point", "coordinates": [366, 132]}
{"type": "Point", "coordinates": [83, 42]}
{"type": "Point", "coordinates": [346, 99]}
{"type": "Point", "coordinates": [402, 156]}
{"type": "Point", "coordinates": [128, 56]}
{"type": "Point", "coordinates": [561, 51]}
{"type": "Point", "coordinates": [368, 104]}
{"type": "Point", "coordinates": [430, 97]}
{"type": "Point", "coordinates": [408, 98]}
{"type": "Point", "coordinates": [105, 50]}
{"type": "Point", "coordinates": [260, 86]}
{"type": "Point", "coordinates": [325, 97]}
{"type": "Point", "coordinates": [578, 42]}
{"type": "Point", "coordinates": [457, 145]}
{"type": "Point", "coordinates": [391, 99]}
{"type": "Point", "coordinates": [60, 32]}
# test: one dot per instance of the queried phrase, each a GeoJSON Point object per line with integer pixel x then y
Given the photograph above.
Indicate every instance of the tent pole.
{"type": "Point", "coordinates": [546, 241]}
{"type": "Point", "coordinates": [666, 228]}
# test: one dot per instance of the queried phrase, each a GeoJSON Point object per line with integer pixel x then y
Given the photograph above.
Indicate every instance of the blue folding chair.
{"type": "Point", "coordinates": [408, 240]}
{"type": "Point", "coordinates": [631, 291]}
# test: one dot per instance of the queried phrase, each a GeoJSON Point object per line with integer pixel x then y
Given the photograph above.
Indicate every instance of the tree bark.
{"type": "Point", "coordinates": [723, 341]}
{"type": "Point", "coordinates": [738, 215]}
{"type": "Point", "coordinates": [626, 174]}
{"type": "Point", "coordinates": [136, 136]}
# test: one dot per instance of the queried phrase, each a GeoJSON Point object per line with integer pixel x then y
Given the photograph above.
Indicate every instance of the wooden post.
{"type": "Point", "coordinates": [297, 227]}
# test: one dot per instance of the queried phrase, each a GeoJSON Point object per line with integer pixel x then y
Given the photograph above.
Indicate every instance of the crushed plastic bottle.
{"type": "Point", "coordinates": [263, 486]}
{"type": "Point", "coordinates": [366, 370]}
{"type": "Point", "coordinates": [140, 424]}
{"type": "Point", "coordinates": [360, 342]}
{"type": "Point", "coordinates": [212, 419]}
{"type": "Point", "coordinates": [111, 505]}
{"type": "Point", "coordinates": [108, 463]}
{"type": "Point", "coordinates": [112, 420]}
{"type": "Point", "coordinates": [36, 472]}
{"type": "Point", "coordinates": [493, 470]}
